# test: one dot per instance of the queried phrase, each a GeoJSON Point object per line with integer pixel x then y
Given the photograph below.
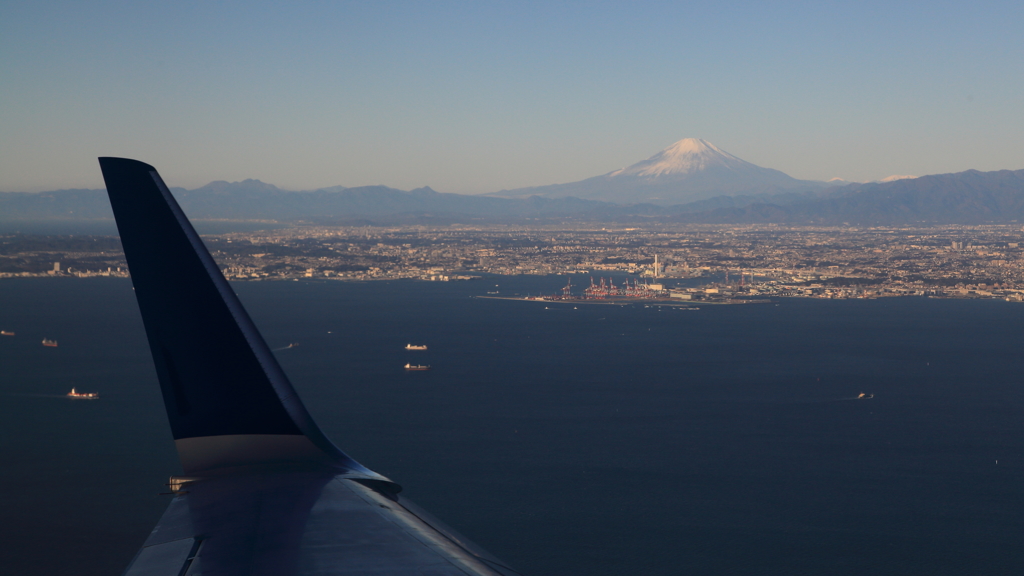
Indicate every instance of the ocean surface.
{"type": "Point", "coordinates": [566, 439]}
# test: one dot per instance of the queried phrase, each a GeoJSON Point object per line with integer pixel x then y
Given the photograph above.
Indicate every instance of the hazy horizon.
{"type": "Point", "coordinates": [484, 97]}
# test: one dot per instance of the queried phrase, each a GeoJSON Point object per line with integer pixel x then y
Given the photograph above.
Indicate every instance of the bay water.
{"type": "Point", "coordinates": [566, 438]}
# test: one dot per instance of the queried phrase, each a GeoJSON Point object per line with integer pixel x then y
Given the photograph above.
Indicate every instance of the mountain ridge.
{"type": "Point", "coordinates": [969, 197]}
{"type": "Point", "coordinates": [255, 200]}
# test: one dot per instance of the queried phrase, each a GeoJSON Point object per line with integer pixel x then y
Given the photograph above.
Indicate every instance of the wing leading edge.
{"type": "Point", "coordinates": [264, 491]}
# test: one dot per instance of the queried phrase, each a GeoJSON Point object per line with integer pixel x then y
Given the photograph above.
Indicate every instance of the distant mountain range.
{"type": "Point", "coordinates": [687, 171]}
{"type": "Point", "coordinates": [256, 200]}
{"type": "Point", "coordinates": [691, 181]}
{"type": "Point", "coordinates": [970, 197]}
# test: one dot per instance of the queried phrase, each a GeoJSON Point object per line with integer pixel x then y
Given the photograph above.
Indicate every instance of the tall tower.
{"type": "Point", "coordinates": [657, 269]}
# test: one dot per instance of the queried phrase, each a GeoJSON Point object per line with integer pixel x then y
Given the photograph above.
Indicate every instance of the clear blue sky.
{"type": "Point", "coordinates": [480, 96]}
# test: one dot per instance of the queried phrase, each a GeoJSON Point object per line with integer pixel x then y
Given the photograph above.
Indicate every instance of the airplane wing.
{"type": "Point", "coordinates": [264, 491]}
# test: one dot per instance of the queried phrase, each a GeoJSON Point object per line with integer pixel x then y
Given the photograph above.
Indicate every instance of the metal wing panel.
{"type": "Point", "coordinates": [167, 559]}
{"type": "Point", "coordinates": [301, 524]}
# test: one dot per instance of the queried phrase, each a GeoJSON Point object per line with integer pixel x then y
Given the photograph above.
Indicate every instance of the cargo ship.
{"type": "Point", "coordinates": [84, 395]}
{"type": "Point", "coordinates": [50, 343]}
{"type": "Point", "coordinates": [6, 333]}
{"type": "Point", "coordinates": [415, 346]}
{"type": "Point", "coordinates": [416, 367]}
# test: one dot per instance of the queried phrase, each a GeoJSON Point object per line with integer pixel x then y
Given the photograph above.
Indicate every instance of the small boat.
{"type": "Point", "coordinates": [6, 333]}
{"type": "Point", "coordinates": [865, 396]}
{"type": "Point", "coordinates": [416, 367]}
{"type": "Point", "coordinates": [50, 343]}
{"type": "Point", "coordinates": [83, 395]}
{"type": "Point", "coordinates": [415, 346]}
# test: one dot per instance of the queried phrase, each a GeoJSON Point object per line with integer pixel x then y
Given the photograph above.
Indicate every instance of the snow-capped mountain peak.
{"type": "Point", "coordinates": [689, 170]}
{"type": "Point", "coordinates": [686, 156]}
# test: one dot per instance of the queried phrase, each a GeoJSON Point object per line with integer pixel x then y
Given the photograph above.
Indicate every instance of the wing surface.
{"type": "Point", "coordinates": [264, 491]}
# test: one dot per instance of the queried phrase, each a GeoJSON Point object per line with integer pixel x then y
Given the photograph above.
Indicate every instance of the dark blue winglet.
{"type": "Point", "coordinates": [217, 375]}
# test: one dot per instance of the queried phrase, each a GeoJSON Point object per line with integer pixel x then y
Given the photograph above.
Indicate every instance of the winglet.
{"type": "Point", "coordinates": [228, 401]}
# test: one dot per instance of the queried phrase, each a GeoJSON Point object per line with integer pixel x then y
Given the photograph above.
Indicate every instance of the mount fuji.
{"type": "Point", "coordinates": [692, 169]}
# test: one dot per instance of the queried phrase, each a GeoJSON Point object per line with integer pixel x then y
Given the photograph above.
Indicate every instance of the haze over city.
{"type": "Point", "coordinates": [475, 98]}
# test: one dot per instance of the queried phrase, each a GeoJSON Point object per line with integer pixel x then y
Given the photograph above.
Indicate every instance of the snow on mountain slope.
{"type": "Point", "coordinates": [691, 169]}
{"type": "Point", "coordinates": [688, 156]}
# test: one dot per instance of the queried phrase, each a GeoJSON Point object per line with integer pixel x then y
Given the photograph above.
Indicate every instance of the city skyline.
{"type": "Point", "coordinates": [474, 99]}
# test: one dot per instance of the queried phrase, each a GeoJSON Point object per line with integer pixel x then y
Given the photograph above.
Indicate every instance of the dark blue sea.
{"type": "Point", "coordinates": [566, 439]}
